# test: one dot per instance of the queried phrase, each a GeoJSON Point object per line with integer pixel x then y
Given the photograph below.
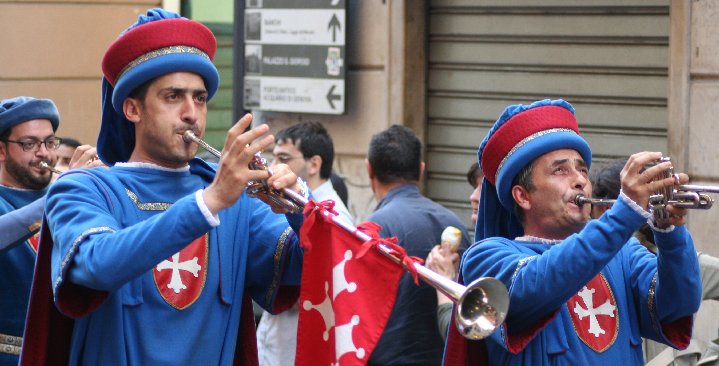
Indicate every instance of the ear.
{"type": "Point", "coordinates": [314, 165]}
{"type": "Point", "coordinates": [421, 169]}
{"type": "Point", "coordinates": [370, 170]}
{"type": "Point", "coordinates": [131, 107]}
{"type": "Point", "coordinates": [521, 196]}
{"type": "Point", "coordinates": [3, 151]}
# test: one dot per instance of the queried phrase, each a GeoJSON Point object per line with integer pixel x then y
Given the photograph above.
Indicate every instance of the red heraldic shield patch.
{"type": "Point", "coordinates": [594, 314]}
{"type": "Point", "coordinates": [34, 241]}
{"type": "Point", "coordinates": [181, 278]}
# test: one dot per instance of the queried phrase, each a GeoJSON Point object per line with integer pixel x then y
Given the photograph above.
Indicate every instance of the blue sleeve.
{"type": "Point", "coordinates": [539, 284]}
{"type": "Point", "coordinates": [667, 286]}
{"type": "Point", "coordinates": [95, 251]}
{"type": "Point", "coordinates": [16, 226]}
{"type": "Point", "coordinates": [677, 273]}
{"type": "Point", "coordinates": [275, 256]}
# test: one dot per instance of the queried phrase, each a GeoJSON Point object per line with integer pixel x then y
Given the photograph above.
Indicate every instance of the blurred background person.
{"type": "Point", "coordinates": [308, 150]}
{"type": "Point", "coordinates": [394, 166]}
{"type": "Point", "coordinates": [64, 153]}
{"type": "Point", "coordinates": [446, 262]}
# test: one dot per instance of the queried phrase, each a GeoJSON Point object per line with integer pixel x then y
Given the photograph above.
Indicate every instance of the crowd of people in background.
{"type": "Point", "coordinates": [93, 236]}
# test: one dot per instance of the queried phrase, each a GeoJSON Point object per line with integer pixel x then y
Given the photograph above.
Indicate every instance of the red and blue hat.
{"type": "Point", "coordinates": [159, 43]}
{"type": "Point", "coordinates": [520, 135]}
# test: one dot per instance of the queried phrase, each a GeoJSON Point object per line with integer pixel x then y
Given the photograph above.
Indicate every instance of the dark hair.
{"type": "Point", "coordinates": [395, 154]}
{"type": "Point", "coordinates": [69, 141]}
{"type": "Point", "coordinates": [606, 182]}
{"type": "Point", "coordinates": [140, 92]}
{"type": "Point", "coordinates": [311, 138]}
{"type": "Point", "coordinates": [338, 183]}
{"type": "Point", "coordinates": [5, 134]}
{"type": "Point", "coordinates": [524, 180]}
{"type": "Point", "coordinates": [473, 173]}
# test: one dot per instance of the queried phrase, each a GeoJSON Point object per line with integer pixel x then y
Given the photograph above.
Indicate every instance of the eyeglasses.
{"type": "Point", "coordinates": [33, 145]}
{"type": "Point", "coordinates": [284, 158]}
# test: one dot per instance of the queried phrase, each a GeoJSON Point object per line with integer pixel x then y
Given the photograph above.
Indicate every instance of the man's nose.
{"type": "Point", "coordinates": [190, 111]}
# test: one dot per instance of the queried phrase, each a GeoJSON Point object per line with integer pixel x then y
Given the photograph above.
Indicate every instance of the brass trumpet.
{"type": "Point", "coordinates": [288, 199]}
{"type": "Point", "coordinates": [686, 196]}
{"type": "Point", "coordinates": [480, 307]}
{"type": "Point", "coordinates": [46, 166]}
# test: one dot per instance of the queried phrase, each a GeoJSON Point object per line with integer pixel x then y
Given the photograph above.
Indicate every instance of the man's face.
{"type": "Point", "coordinates": [286, 152]}
{"type": "Point", "coordinates": [64, 155]}
{"type": "Point", "coordinates": [558, 177]}
{"type": "Point", "coordinates": [21, 168]}
{"type": "Point", "coordinates": [474, 198]}
{"type": "Point", "coordinates": [174, 103]}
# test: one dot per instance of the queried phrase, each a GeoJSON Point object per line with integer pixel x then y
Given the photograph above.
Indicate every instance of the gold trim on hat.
{"type": "Point", "coordinates": [160, 52]}
{"type": "Point", "coordinates": [523, 142]}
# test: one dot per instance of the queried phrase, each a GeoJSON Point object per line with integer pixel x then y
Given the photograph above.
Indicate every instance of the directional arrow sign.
{"type": "Point", "coordinates": [332, 97]}
{"type": "Point", "coordinates": [295, 56]}
{"type": "Point", "coordinates": [334, 26]}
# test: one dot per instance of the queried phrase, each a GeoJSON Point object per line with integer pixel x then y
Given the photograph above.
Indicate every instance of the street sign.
{"type": "Point", "coordinates": [295, 56]}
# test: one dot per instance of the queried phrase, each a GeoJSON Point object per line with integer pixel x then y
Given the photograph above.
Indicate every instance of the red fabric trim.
{"type": "Point", "coordinates": [246, 349]}
{"type": "Point", "coordinates": [460, 351]}
{"type": "Point", "coordinates": [287, 297]}
{"type": "Point", "coordinates": [679, 332]}
{"type": "Point", "coordinates": [154, 35]}
{"type": "Point", "coordinates": [518, 128]}
{"type": "Point", "coordinates": [47, 332]}
{"type": "Point", "coordinates": [517, 342]}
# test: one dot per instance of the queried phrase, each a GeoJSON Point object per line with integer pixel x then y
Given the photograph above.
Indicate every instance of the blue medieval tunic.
{"type": "Point", "coordinates": [17, 262]}
{"type": "Point", "coordinates": [119, 270]}
{"type": "Point", "coordinates": [589, 299]}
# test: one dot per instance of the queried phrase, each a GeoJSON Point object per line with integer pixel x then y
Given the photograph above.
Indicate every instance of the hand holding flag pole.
{"type": "Point", "coordinates": [480, 307]}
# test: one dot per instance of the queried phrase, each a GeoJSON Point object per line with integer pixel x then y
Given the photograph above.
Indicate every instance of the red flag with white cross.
{"type": "Point", "coordinates": [347, 294]}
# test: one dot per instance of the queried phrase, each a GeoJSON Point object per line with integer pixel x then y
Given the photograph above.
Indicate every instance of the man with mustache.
{"type": "Point", "coordinates": [27, 137]}
{"type": "Point", "coordinates": [581, 292]}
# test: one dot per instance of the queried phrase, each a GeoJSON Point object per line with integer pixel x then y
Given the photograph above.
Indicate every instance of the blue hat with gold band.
{"type": "Point", "coordinates": [520, 135]}
{"type": "Point", "coordinates": [15, 111]}
{"type": "Point", "coordinates": [159, 43]}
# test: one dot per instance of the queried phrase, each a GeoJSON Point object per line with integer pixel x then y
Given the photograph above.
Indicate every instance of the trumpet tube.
{"type": "Point", "coordinates": [481, 307]}
{"type": "Point", "coordinates": [580, 200]}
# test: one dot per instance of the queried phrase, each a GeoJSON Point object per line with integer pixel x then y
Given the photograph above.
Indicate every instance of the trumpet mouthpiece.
{"type": "Point", "coordinates": [189, 136]}
{"type": "Point", "coordinates": [580, 200]}
{"type": "Point", "coordinates": [46, 166]}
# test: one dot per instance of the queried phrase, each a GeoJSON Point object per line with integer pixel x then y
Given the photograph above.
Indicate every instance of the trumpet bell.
{"type": "Point", "coordinates": [482, 308]}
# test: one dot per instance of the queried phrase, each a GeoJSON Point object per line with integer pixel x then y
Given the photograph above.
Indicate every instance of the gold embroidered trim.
{"type": "Point", "coordinates": [281, 242]}
{"type": "Point", "coordinates": [34, 227]}
{"type": "Point", "coordinates": [11, 350]}
{"type": "Point", "coordinates": [160, 52]}
{"type": "Point", "coordinates": [11, 345]}
{"type": "Point", "coordinates": [525, 141]}
{"type": "Point", "coordinates": [149, 206]}
{"type": "Point", "coordinates": [522, 262]}
{"type": "Point", "coordinates": [73, 249]}
{"type": "Point", "coordinates": [9, 340]}
{"type": "Point", "coordinates": [652, 304]}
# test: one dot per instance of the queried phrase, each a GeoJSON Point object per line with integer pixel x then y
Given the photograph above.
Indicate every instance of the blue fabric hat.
{"type": "Point", "coordinates": [520, 135]}
{"type": "Point", "coordinates": [159, 43]}
{"type": "Point", "coordinates": [17, 110]}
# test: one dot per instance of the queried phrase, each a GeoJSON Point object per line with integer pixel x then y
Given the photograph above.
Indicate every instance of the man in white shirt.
{"type": "Point", "coordinates": [308, 150]}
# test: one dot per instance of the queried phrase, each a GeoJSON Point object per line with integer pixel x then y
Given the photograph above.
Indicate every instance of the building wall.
{"type": "Point", "coordinates": [693, 110]}
{"type": "Point", "coordinates": [385, 86]}
{"type": "Point", "coordinates": [53, 49]}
